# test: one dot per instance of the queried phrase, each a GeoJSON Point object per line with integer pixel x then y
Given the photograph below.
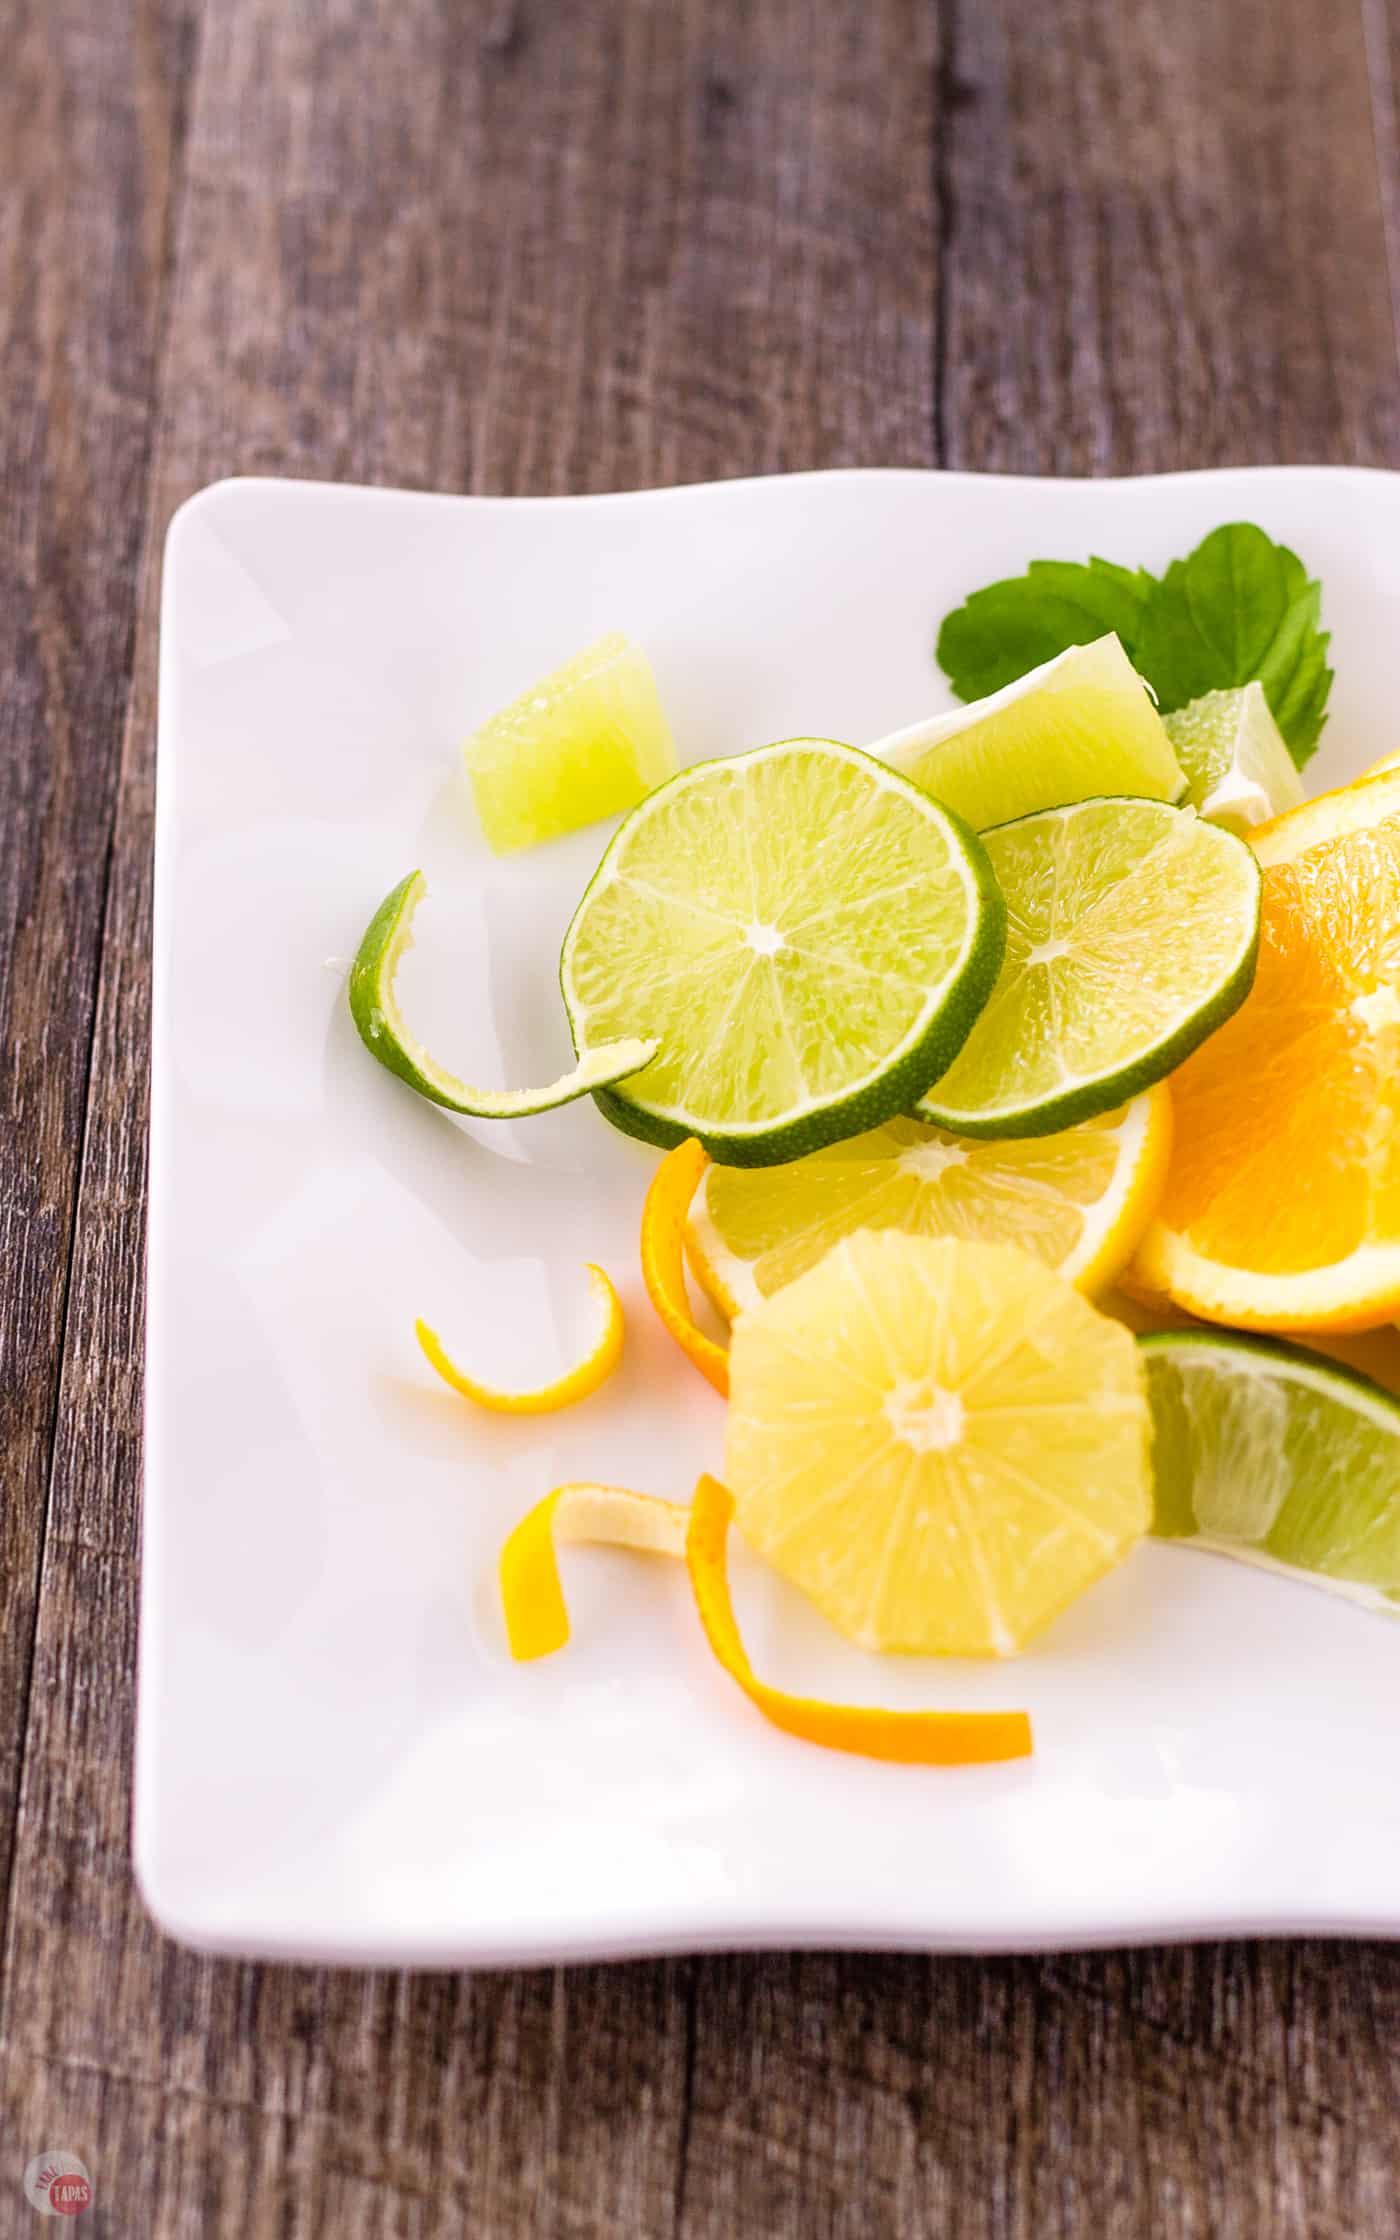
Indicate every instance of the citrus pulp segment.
{"type": "Point", "coordinates": [1079, 725]}
{"type": "Point", "coordinates": [386, 1034]}
{"type": "Point", "coordinates": [1131, 934]}
{"type": "Point", "coordinates": [807, 935]}
{"type": "Point", "coordinates": [1079, 1200]}
{"type": "Point", "coordinates": [942, 1444]}
{"type": "Point", "coordinates": [588, 740]}
{"type": "Point", "coordinates": [1239, 771]}
{"type": "Point", "coordinates": [1270, 1455]}
{"type": "Point", "coordinates": [1282, 1204]}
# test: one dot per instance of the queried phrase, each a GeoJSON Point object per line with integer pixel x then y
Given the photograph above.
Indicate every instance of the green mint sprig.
{"type": "Point", "coordinates": [1238, 607]}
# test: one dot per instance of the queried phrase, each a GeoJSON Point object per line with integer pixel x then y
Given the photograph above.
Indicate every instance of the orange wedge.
{"type": "Point", "coordinates": [663, 1258]}
{"type": "Point", "coordinates": [1282, 1205]}
{"type": "Point", "coordinates": [537, 1623]}
{"type": "Point", "coordinates": [576, 1383]}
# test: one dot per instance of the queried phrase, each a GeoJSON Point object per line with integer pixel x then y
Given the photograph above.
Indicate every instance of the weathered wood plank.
{"type": "Point", "coordinates": [91, 129]}
{"type": "Point", "coordinates": [1165, 239]}
{"type": "Point", "coordinates": [406, 284]}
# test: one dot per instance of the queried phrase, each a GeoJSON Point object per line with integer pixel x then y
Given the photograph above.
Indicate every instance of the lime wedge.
{"type": "Point", "coordinates": [1265, 1453]}
{"type": "Point", "coordinates": [1080, 725]}
{"type": "Point", "coordinates": [387, 1036]}
{"type": "Point", "coordinates": [1239, 771]}
{"type": "Point", "coordinates": [1132, 930]}
{"type": "Point", "coordinates": [585, 742]}
{"type": "Point", "coordinates": [808, 936]}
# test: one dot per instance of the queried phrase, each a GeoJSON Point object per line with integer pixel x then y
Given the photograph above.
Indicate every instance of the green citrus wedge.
{"type": "Point", "coordinates": [1132, 932]}
{"type": "Point", "coordinates": [1239, 771]}
{"type": "Point", "coordinates": [1268, 1454]}
{"type": "Point", "coordinates": [808, 936]}
{"type": "Point", "coordinates": [387, 1036]}
{"type": "Point", "coordinates": [1080, 725]}
{"type": "Point", "coordinates": [585, 742]}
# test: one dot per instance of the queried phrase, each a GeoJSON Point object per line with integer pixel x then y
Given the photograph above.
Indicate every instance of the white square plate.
{"type": "Point", "coordinates": [337, 1759]}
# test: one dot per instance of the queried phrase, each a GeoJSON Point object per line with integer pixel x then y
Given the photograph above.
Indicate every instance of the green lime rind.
{"type": "Point", "coordinates": [768, 831]}
{"type": "Point", "coordinates": [387, 1036]}
{"type": "Point", "coordinates": [1133, 933]}
{"type": "Point", "coordinates": [1278, 1458]}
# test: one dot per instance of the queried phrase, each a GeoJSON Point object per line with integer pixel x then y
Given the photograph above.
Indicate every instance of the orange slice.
{"type": "Point", "coordinates": [575, 1384]}
{"type": "Point", "coordinates": [663, 1258]}
{"type": "Point", "coordinates": [537, 1623]}
{"type": "Point", "coordinates": [1282, 1205]}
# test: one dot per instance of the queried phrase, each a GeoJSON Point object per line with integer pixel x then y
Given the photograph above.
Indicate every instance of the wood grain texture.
{"type": "Point", "coordinates": [520, 247]}
{"type": "Point", "coordinates": [90, 132]}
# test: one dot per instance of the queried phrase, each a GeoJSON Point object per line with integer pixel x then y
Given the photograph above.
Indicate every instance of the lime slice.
{"type": "Point", "coordinates": [1077, 726]}
{"type": "Point", "coordinates": [1132, 933]}
{"type": "Point", "coordinates": [1079, 1201]}
{"type": "Point", "coordinates": [809, 937]}
{"type": "Point", "coordinates": [587, 741]}
{"type": "Point", "coordinates": [1265, 1453]}
{"type": "Point", "coordinates": [940, 1443]}
{"type": "Point", "coordinates": [387, 1036]}
{"type": "Point", "coordinates": [1239, 771]}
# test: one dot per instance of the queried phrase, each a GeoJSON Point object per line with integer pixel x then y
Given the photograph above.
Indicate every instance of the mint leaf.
{"type": "Point", "coordinates": [1238, 607]}
{"type": "Point", "coordinates": [1013, 626]}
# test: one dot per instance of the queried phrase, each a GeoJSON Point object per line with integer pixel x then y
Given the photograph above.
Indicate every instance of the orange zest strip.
{"type": "Point", "coordinates": [537, 1619]}
{"type": "Point", "coordinates": [925, 1738]}
{"type": "Point", "coordinates": [575, 1384]}
{"type": "Point", "coordinates": [663, 1258]}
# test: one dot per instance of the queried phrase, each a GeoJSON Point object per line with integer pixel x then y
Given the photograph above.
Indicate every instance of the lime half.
{"type": "Point", "coordinates": [1239, 771]}
{"type": "Point", "coordinates": [807, 935]}
{"type": "Point", "coordinates": [1132, 930]}
{"type": "Point", "coordinates": [1265, 1453]}
{"type": "Point", "coordinates": [388, 1037]}
{"type": "Point", "coordinates": [1077, 726]}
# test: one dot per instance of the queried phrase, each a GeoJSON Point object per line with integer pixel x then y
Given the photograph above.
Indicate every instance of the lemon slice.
{"type": "Point", "coordinates": [1079, 1201]}
{"type": "Point", "coordinates": [1079, 725]}
{"type": "Point", "coordinates": [1239, 771]}
{"type": "Point", "coordinates": [588, 740]}
{"type": "Point", "coordinates": [585, 1376]}
{"type": "Point", "coordinates": [942, 1444]}
{"type": "Point", "coordinates": [388, 1037]}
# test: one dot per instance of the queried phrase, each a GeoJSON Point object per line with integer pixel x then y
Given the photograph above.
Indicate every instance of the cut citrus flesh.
{"type": "Point", "coordinates": [1079, 725]}
{"type": "Point", "coordinates": [668, 1199]}
{"type": "Point", "coordinates": [387, 1036]}
{"type": "Point", "coordinates": [537, 1623]}
{"type": "Point", "coordinates": [942, 1444]}
{"type": "Point", "coordinates": [1282, 1205]}
{"type": "Point", "coordinates": [1270, 1455]}
{"type": "Point", "coordinates": [1079, 1200]}
{"type": "Point", "coordinates": [808, 936]}
{"type": "Point", "coordinates": [532, 1597]}
{"type": "Point", "coordinates": [937, 1738]}
{"type": "Point", "coordinates": [585, 1376]}
{"type": "Point", "coordinates": [1239, 771]}
{"type": "Point", "coordinates": [1131, 934]}
{"type": "Point", "coordinates": [587, 741]}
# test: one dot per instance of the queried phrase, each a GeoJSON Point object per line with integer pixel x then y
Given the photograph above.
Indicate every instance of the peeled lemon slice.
{"type": "Point", "coordinates": [1079, 1201]}
{"type": "Point", "coordinates": [586, 1375]}
{"type": "Point", "coordinates": [1239, 771]}
{"type": "Point", "coordinates": [942, 1444]}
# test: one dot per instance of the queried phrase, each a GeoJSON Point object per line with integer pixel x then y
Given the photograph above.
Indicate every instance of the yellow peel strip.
{"type": "Point", "coordinates": [663, 1258]}
{"type": "Point", "coordinates": [537, 1623]}
{"type": "Point", "coordinates": [576, 1383]}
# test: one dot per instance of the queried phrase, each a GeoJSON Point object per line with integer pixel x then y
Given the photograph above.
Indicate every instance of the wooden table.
{"type": "Point", "coordinates": [582, 246]}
